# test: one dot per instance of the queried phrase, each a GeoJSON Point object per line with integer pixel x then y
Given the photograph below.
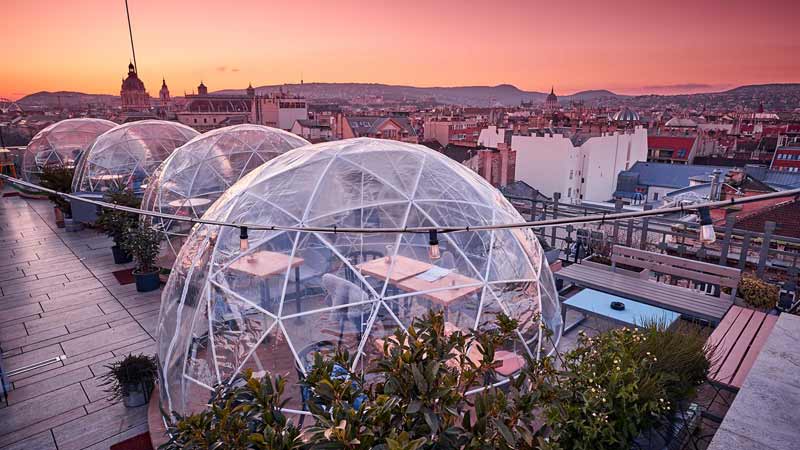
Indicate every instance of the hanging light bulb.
{"type": "Point", "coordinates": [433, 250]}
{"type": "Point", "coordinates": [707, 234]}
{"type": "Point", "coordinates": [244, 244]}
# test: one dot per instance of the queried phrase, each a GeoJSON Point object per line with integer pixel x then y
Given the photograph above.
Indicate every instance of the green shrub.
{"type": "Point", "coordinates": [58, 178]}
{"type": "Point", "coordinates": [143, 244]}
{"type": "Point", "coordinates": [605, 393]}
{"type": "Point", "coordinates": [245, 414]}
{"type": "Point", "coordinates": [115, 223]}
{"type": "Point", "coordinates": [758, 293]}
{"type": "Point", "coordinates": [133, 369]}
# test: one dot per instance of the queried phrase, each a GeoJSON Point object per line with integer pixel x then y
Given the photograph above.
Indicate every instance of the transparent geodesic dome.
{"type": "Point", "coordinates": [61, 144]}
{"type": "Point", "coordinates": [129, 154]}
{"type": "Point", "coordinates": [289, 294]}
{"type": "Point", "coordinates": [200, 171]}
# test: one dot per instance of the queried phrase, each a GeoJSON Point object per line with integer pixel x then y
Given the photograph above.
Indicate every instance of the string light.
{"type": "Point", "coordinates": [707, 233]}
{"type": "Point", "coordinates": [244, 244]}
{"type": "Point", "coordinates": [422, 229]}
{"type": "Point", "coordinates": [433, 249]}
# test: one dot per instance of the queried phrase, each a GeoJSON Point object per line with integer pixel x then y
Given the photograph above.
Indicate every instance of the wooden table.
{"type": "Point", "coordinates": [189, 202]}
{"type": "Point", "coordinates": [265, 264]}
{"type": "Point", "coordinates": [404, 273]}
{"type": "Point", "coordinates": [596, 303]}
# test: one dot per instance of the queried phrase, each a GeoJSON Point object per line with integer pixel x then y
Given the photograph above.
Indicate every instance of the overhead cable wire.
{"type": "Point", "coordinates": [602, 218]}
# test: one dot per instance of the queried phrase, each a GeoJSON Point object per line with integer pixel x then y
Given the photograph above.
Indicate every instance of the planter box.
{"type": "Point", "coordinates": [672, 435]}
{"type": "Point", "coordinates": [85, 212]}
{"type": "Point", "coordinates": [146, 282]}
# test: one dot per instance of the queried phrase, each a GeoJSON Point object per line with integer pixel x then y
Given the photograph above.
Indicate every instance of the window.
{"type": "Point", "coordinates": [205, 120]}
{"type": "Point", "coordinates": [571, 172]}
{"type": "Point", "coordinates": [569, 192]}
{"type": "Point", "coordinates": [655, 196]}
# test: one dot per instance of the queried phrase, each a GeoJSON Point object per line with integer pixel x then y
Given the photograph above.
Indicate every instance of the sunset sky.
{"type": "Point", "coordinates": [625, 46]}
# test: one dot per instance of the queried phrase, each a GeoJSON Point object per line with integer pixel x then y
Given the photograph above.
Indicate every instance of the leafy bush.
{"type": "Point", "coordinates": [758, 293]}
{"type": "Point", "coordinates": [114, 223]}
{"type": "Point", "coordinates": [245, 414]}
{"type": "Point", "coordinates": [58, 178]}
{"type": "Point", "coordinates": [607, 394]}
{"type": "Point", "coordinates": [133, 369]}
{"type": "Point", "coordinates": [420, 400]}
{"type": "Point", "coordinates": [143, 243]}
{"type": "Point", "coordinates": [607, 391]}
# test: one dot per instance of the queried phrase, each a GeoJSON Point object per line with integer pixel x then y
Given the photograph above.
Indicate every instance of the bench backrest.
{"type": "Point", "coordinates": [698, 271]}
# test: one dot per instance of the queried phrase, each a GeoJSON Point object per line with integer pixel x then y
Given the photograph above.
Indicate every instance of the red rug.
{"type": "Point", "coordinates": [140, 442]}
{"type": "Point", "coordinates": [124, 276]}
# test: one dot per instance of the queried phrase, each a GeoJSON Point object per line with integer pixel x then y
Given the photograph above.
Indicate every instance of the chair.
{"type": "Point", "coordinates": [356, 258]}
{"type": "Point", "coordinates": [448, 261]}
{"type": "Point", "coordinates": [306, 357]}
{"type": "Point", "coordinates": [343, 292]}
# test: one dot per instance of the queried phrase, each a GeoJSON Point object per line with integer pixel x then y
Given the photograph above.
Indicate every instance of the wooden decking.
{"type": "Point", "coordinates": [736, 343]}
{"type": "Point", "coordinates": [58, 297]}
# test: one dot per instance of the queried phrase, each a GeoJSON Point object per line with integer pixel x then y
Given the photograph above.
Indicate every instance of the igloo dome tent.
{"type": "Point", "coordinates": [129, 154]}
{"type": "Point", "coordinates": [198, 172]}
{"type": "Point", "coordinates": [268, 302]}
{"type": "Point", "coordinates": [61, 144]}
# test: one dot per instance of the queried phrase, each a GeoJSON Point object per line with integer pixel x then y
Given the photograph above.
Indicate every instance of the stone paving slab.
{"type": "Point", "coordinates": [58, 297]}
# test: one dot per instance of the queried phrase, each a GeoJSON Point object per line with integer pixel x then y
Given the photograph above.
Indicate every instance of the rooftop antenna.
{"type": "Point", "coordinates": [130, 33]}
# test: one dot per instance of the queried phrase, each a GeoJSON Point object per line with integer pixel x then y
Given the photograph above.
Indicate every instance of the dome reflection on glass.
{"type": "Point", "coordinates": [270, 304]}
{"type": "Point", "coordinates": [198, 172]}
{"type": "Point", "coordinates": [61, 144]}
{"type": "Point", "coordinates": [129, 154]}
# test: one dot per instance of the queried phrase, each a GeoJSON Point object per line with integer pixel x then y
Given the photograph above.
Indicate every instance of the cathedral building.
{"type": "Point", "coordinates": [134, 96]}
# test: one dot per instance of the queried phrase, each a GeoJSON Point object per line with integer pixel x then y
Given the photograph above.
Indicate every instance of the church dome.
{"type": "Point", "coordinates": [626, 115]}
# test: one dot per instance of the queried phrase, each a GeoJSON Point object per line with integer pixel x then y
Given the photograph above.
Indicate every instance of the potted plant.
{"type": "Point", "coordinates": [757, 293]}
{"type": "Point", "coordinates": [58, 178]}
{"type": "Point", "coordinates": [131, 379]}
{"type": "Point", "coordinates": [143, 243]}
{"type": "Point", "coordinates": [115, 224]}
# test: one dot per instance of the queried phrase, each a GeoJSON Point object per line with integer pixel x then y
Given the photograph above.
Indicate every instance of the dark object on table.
{"type": "Point", "coordinates": [618, 306]}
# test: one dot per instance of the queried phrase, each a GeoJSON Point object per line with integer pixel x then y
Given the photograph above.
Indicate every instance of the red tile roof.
{"type": "Point", "coordinates": [786, 215]}
{"type": "Point", "coordinates": [671, 142]}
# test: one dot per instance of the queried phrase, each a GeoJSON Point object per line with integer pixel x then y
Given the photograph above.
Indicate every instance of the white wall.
{"type": "Point", "coordinates": [491, 136]}
{"type": "Point", "coordinates": [607, 156]}
{"type": "Point", "coordinates": [545, 162]}
{"type": "Point", "coordinates": [552, 164]}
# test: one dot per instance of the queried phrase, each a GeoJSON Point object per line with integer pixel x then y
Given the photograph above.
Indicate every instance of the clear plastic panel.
{"type": "Point", "coordinates": [354, 289]}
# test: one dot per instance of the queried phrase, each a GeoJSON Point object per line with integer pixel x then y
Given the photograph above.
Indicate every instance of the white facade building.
{"type": "Point", "coordinates": [587, 172]}
{"type": "Point", "coordinates": [491, 136]}
{"type": "Point", "coordinates": [278, 110]}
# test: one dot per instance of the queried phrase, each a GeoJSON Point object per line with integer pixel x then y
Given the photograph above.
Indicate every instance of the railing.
{"type": "Point", "coordinates": [767, 255]}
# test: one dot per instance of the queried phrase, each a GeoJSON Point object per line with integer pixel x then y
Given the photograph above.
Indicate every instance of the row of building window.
{"type": "Point", "coordinates": [787, 156]}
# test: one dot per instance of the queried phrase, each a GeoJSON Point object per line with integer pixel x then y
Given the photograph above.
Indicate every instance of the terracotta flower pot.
{"type": "Point", "coordinates": [59, 217]}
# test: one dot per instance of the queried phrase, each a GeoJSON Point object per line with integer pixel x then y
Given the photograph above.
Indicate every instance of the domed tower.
{"type": "Point", "coordinates": [251, 92]}
{"type": "Point", "coordinates": [163, 94]}
{"type": "Point", "coordinates": [551, 104]}
{"type": "Point", "coordinates": [133, 94]}
{"type": "Point", "coordinates": [202, 89]}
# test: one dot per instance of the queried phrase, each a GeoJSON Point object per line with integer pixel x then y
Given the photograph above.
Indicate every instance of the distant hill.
{"type": "Point", "coordinates": [66, 99]}
{"type": "Point", "coordinates": [500, 95]}
{"type": "Point", "coordinates": [774, 97]}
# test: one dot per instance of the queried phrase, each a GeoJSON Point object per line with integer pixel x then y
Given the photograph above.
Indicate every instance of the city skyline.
{"type": "Point", "coordinates": [677, 48]}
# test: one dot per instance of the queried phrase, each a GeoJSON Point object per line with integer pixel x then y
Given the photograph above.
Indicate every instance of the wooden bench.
{"type": "Point", "coordinates": [736, 343]}
{"type": "Point", "coordinates": [695, 303]}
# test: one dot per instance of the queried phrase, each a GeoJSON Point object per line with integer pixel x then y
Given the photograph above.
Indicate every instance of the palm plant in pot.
{"type": "Point", "coordinates": [116, 224]}
{"type": "Point", "coordinates": [143, 243]}
{"type": "Point", "coordinates": [131, 379]}
{"type": "Point", "coordinates": [58, 178]}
